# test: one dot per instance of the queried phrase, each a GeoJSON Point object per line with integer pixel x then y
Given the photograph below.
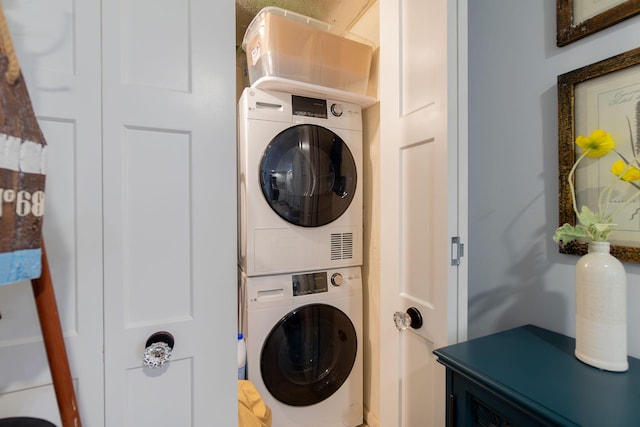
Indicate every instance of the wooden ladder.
{"type": "Point", "coordinates": [18, 118]}
{"type": "Point", "coordinates": [54, 345]}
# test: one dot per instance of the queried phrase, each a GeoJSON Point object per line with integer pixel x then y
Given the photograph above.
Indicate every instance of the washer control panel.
{"type": "Point", "coordinates": [312, 286]}
{"type": "Point", "coordinates": [331, 281]}
{"type": "Point", "coordinates": [336, 279]}
{"type": "Point", "coordinates": [309, 283]}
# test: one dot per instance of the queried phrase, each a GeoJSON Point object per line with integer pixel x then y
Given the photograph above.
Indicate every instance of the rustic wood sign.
{"type": "Point", "coordinates": [22, 172]}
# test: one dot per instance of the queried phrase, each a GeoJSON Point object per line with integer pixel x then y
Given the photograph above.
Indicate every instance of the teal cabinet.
{"type": "Point", "coordinates": [529, 376]}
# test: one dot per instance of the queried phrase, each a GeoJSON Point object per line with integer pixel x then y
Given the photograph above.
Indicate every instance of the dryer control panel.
{"type": "Point", "coordinates": [290, 108]}
{"type": "Point", "coordinates": [314, 107]}
{"type": "Point", "coordinates": [308, 107]}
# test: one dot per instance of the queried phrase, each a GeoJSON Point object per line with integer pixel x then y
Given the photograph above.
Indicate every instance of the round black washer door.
{"type": "Point", "coordinates": [308, 175]}
{"type": "Point", "coordinates": [308, 354]}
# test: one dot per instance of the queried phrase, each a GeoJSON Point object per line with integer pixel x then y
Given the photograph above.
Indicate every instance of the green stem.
{"type": "Point", "coordinates": [622, 206]}
{"type": "Point", "coordinates": [570, 179]}
{"type": "Point", "coordinates": [606, 195]}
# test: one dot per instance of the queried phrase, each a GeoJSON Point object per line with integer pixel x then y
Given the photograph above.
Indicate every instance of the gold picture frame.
{"type": "Point", "coordinates": [599, 96]}
{"type": "Point", "coordinates": [576, 19]}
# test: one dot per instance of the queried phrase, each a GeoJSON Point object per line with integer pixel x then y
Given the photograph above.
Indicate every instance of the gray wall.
{"type": "Point", "coordinates": [516, 275]}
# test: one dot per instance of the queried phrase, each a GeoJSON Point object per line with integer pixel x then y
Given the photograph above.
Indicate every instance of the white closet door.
{"type": "Point", "coordinates": [58, 45]}
{"type": "Point", "coordinates": [423, 202]}
{"type": "Point", "coordinates": [169, 210]}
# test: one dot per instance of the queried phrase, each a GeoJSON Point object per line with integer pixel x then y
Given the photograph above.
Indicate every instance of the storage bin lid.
{"type": "Point", "coordinates": [296, 17]}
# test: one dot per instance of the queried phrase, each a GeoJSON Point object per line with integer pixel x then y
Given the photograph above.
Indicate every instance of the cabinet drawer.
{"type": "Point", "coordinates": [477, 406]}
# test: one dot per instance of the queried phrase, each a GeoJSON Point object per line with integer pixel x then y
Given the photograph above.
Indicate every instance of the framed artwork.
{"type": "Point", "coordinates": [604, 95]}
{"type": "Point", "coordinates": [576, 19]}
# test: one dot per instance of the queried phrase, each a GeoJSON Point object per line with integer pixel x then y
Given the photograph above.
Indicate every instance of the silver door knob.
{"type": "Point", "coordinates": [411, 318]}
{"type": "Point", "coordinates": [158, 349]}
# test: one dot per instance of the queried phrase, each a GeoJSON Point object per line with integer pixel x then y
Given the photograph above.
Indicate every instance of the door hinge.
{"type": "Point", "coordinates": [457, 250]}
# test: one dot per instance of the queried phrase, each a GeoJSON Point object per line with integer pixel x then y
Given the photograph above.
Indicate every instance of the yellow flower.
{"type": "Point", "coordinates": [598, 144]}
{"type": "Point", "coordinates": [629, 173]}
{"type": "Point", "coordinates": [596, 225]}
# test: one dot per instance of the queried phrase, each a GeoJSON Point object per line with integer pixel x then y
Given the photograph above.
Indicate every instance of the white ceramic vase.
{"type": "Point", "coordinates": [601, 309]}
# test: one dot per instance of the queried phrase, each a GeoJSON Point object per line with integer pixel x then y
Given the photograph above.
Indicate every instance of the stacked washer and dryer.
{"type": "Point", "coordinates": [300, 251]}
{"type": "Point", "coordinates": [300, 218]}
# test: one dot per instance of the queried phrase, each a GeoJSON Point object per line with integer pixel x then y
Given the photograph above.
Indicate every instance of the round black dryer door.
{"type": "Point", "coordinates": [308, 175]}
{"type": "Point", "coordinates": [308, 354]}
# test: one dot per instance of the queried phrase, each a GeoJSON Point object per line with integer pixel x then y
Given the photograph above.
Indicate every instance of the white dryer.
{"type": "Point", "coordinates": [304, 346]}
{"type": "Point", "coordinates": [300, 190]}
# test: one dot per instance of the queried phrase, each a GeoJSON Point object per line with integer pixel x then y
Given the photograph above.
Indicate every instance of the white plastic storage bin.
{"type": "Point", "coordinates": [287, 45]}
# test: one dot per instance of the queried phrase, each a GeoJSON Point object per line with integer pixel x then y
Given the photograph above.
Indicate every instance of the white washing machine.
{"type": "Point", "coordinates": [304, 346]}
{"type": "Point", "coordinates": [300, 192]}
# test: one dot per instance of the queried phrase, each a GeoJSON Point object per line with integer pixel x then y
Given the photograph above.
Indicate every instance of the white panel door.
{"type": "Point", "coordinates": [422, 203]}
{"type": "Point", "coordinates": [169, 210]}
{"type": "Point", "coordinates": [58, 46]}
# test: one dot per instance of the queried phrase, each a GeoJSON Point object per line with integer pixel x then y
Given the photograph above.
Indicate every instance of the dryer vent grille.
{"type": "Point", "coordinates": [341, 246]}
